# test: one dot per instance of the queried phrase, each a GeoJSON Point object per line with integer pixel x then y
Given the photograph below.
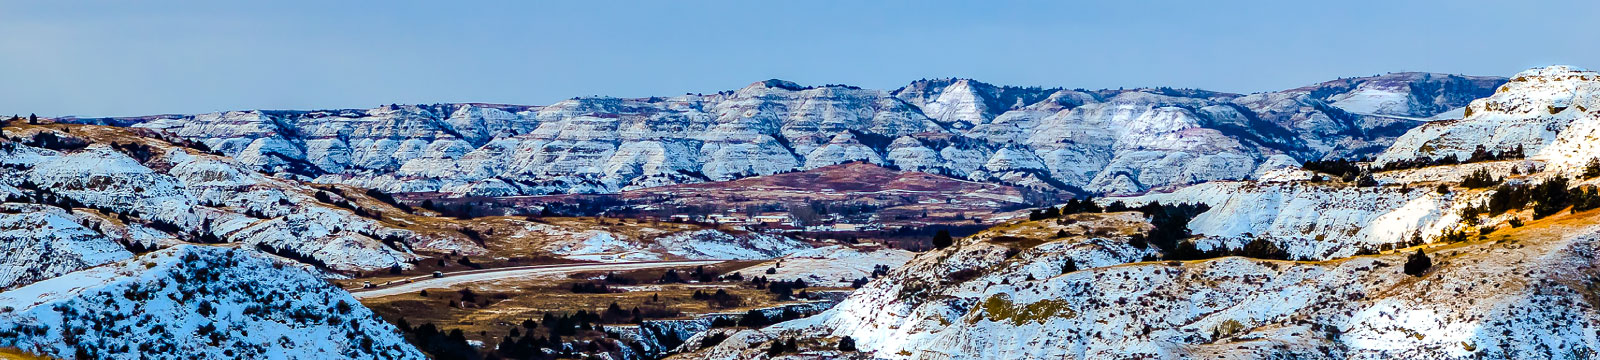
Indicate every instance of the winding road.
{"type": "Point", "coordinates": [419, 283]}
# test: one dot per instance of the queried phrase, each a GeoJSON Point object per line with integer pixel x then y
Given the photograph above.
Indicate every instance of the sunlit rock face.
{"type": "Point", "coordinates": [1097, 141]}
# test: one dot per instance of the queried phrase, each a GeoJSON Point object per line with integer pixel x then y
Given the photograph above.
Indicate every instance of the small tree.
{"type": "Point", "coordinates": [1138, 241]}
{"type": "Point", "coordinates": [847, 344]}
{"type": "Point", "coordinates": [754, 319]}
{"type": "Point", "coordinates": [775, 349]}
{"type": "Point", "coordinates": [1418, 263]}
{"type": "Point", "coordinates": [206, 309]}
{"type": "Point", "coordinates": [1366, 180]}
{"type": "Point", "coordinates": [1550, 197]}
{"type": "Point", "coordinates": [1592, 169]}
{"type": "Point", "coordinates": [942, 239]}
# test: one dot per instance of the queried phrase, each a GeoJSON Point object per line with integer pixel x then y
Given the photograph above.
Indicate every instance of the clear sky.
{"type": "Point", "coordinates": [147, 57]}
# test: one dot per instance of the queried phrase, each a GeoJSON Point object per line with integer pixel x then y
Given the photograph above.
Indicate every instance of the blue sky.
{"type": "Point", "coordinates": [147, 57]}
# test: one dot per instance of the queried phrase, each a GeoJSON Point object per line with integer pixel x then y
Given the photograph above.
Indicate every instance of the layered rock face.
{"type": "Point", "coordinates": [1110, 141]}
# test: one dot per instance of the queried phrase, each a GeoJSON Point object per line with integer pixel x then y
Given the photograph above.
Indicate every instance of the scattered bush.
{"type": "Point", "coordinates": [1076, 206]}
{"type": "Point", "coordinates": [1479, 179]}
{"type": "Point", "coordinates": [713, 340]}
{"type": "Point", "coordinates": [590, 288]}
{"type": "Point", "coordinates": [1338, 168]}
{"type": "Point", "coordinates": [1171, 223]}
{"type": "Point", "coordinates": [49, 140]}
{"type": "Point", "coordinates": [722, 299]}
{"type": "Point", "coordinates": [1418, 263]}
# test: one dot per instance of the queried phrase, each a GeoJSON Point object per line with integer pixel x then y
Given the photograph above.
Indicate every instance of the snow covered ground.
{"type": "Point", "coordinates": [703, 244]}
{"type": "Point", "coordinates": [45, 242]}
{"type": "Point", "coordinates": [1313, 220]}
{"type": "Point", "coordinates": [427, 282]}
{"type": "Point", "coordinates": [831, 266]}
{"type": "Point", "coordinates": [716, 244]}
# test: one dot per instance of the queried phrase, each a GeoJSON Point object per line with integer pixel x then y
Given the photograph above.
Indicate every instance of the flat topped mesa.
{"type": "Point", "coordinates": [1553, 71]}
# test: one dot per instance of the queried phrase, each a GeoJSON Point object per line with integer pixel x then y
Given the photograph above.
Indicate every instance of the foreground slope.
{"type": "Point", "coordinates": [192, 300]}
{"type": "Point", "coordinates": [1520, 294]}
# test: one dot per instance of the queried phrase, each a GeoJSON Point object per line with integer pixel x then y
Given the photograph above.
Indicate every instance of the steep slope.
{"type": "Point", "coordinates": [965, 103]}
{"type": "Point", "coordinates": [189, 301]}
{"type": "Point", "coordinates": [38, 243]}
{"type": "Point", "coordinates": [1114, 141]}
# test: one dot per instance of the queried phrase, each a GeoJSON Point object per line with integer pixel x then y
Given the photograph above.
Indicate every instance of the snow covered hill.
{"type": "Point", "coordinates": [195, 301]}
{"type": "Point", "coordinates": [1315, 220]}
{"type": "Point", "coordinates": [1356, 117]}
{"type": "Point", "coordinates": [154, 193]}
{"type": "Point", "coordinates": [93, 202]}
{"type": "Point", "coordinates": [1552, 112]}
{"type": "Point", "coordinates": [1116, 141]}
{"type": "Point", "coordinates": [1398, 268]}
